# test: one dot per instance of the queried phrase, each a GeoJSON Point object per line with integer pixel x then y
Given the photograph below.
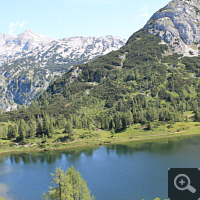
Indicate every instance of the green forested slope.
{"type": "Point", "coordinates": [136, 84]}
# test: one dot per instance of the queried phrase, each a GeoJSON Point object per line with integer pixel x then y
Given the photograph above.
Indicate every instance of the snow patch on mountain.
{"type": "Point", "coordinates": [29, 62]}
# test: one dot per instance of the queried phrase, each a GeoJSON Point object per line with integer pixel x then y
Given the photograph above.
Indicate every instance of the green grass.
{"type": "Point", "coordinates": [82, 138]}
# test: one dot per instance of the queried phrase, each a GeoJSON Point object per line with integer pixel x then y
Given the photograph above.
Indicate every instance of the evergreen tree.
{"type": "Point", "coordinates": [79, 186]}
{"type": "Point", "coordinates": [51, 130]}
{"type": "Point", "coordinates": [12, 131]}
{"type": "Point", "coordinates": [68, 128]}
{"type": "Point", "coordinates": [102, 122]}
{"type": "Point", "coordinates": [62, 190]}
{"type": "Point", "coordinates": [149, 126]}
{"type": "Point", "coordinates": [32, 130]}
{"type": "Point", "coordinates": [111, 124]}
{"type": "Point", "coordinates": [117, 122]}
{"type": "Point", "coordinates": [22, 132]}
{"type": "Point", "coordinates": [120, 125]}
{"type": "Point", "coordinates": [197, 116]}
{"type": "Point", "coordinates": [88, 125]}
{"type": "Point", "coordinates": [120, 105]}
{"type": "Point", "coordinates": [112, 131]}
{"type": "Point", "coordinates": [106, 123]}
{"type": "Point", "coordinates": [129, 118]}
{"type": "Point", "coordinates": [46, 125]}
{"type": "Point", "coordinates": [39, 127]}
{"type": "Point", "coordinates": [75, 121]}
{"type": "Point", "coordinates": [124, 121]}
{"type": "Point", "coordinates": [84, 122]}
{"type": "Point", "coordinates": [69, 186]}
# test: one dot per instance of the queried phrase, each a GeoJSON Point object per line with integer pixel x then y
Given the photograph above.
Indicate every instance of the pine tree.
{"type": "Point", "coordinates": [84, 122]}
{"type": "Point", "coordinates": [68, 128]}
{"type": "Point", "coordinates": [60, 191]}
{"type": "Point", "coordinates": [79, 186]}
{"type": "Point", "coordinates": [149, 125]}
{"type": "Point", "coordinates": [22, 132]}
{"type": "Point", "coordinates": [32, 130]}
{"type": "Point", "coordinates": [120, 125]}
{"type": "Point", "coordinates": [12, 131]}
{"type": "Point", "coordinates": [124, 121]}
{"type": "Point", "coordinates": [88, 125]}
{"type": "Point", "coordinates": [111, 124]}
{"type": "Point", "coordinates": [112, 131]}
{"type": "Point", "coordinates": [40, 127]}
{"type": "Point", "coordinates": [117, 122]}
{"type": "Point", "coordinates": [106, 123]}
{"type": "Point", "coordinates": [129, 118]}
{"type": "Point", "coordinates": [75, 121]}
{"type": "Point", "coordinates": [51, 128]}
{"type": "Point", "coordinates": [69, 186]}
{"type": "Point", "coordinates": [46, 125]}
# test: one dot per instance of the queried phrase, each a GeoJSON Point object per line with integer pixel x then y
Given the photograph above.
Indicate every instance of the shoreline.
{"type": "Point", "coordinates": [119, 141]}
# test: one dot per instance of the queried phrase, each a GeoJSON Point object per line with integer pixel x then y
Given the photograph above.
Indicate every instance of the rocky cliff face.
{"type": "Point", "coordinates": [29, 62]}
{"type": "Point", "coordinates": [178, 24]}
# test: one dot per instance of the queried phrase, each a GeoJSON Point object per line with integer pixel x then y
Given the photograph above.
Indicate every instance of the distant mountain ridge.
{"type": "Point", "coordinates": [13, 46]}
{"type": "Point", "coordinates": [153, 80]}
{"type": "Point", "coordinates": [28, 43]}
{"type": "Point", "coordinates": [29, 62]}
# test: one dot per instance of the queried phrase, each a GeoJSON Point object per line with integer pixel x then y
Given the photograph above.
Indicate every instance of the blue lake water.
{"type": "Point", "coordinates": [128, 171]}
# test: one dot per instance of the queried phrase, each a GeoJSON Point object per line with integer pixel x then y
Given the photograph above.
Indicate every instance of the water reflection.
{"type": "Point", "coordinates": [105, 168]}
{"type": "Point", "coordinates": [48, 157]}
{"type": "Point", "coordinates": [161, 146]}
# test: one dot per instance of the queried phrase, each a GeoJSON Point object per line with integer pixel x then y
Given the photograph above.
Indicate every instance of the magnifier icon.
{"type": "Point", "coordinates": [182, 183]}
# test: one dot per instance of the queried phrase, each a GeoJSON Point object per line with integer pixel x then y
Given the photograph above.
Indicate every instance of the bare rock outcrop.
{"type": "Point", "coordinates": [178, 24]}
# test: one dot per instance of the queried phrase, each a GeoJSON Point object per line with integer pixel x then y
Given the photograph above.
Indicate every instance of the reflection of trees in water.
{"type": "Point", "coordinates": [161, 146]}
{"type": "Point", "coordinates": [75, 154]}
{"type": "Point", "coordinates": [2, 159]}
{"type": "Point", "coordinates": [17, 159]}
{"type": "Point", "coordinates": [49, 156]}
{"type": "Point", "coordinates": [158, 146]}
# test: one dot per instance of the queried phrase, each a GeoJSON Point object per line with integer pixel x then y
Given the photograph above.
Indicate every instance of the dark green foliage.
{"type": "Point", "coordinates": [22, 130]}
{"type": "Point", "coordinates": [12, 131]}
{"type": "Point", "coordinates": [69, 185]}
{"type": "Point", "coordinates": [149, 126]}
{"type": "Point", "coordinates": [135, 84]}
{"type": "Point", "coordinates": [68, 128]}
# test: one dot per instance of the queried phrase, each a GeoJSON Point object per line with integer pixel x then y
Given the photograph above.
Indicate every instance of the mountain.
{"type": "Point", "coordinates": [29, 62]}
{"type": "Point", "coordinates": [147, 81]}
{"type": "Point", "coordinates": [178, 24]}
{"type": "Point", "coordinates": [13, 46]}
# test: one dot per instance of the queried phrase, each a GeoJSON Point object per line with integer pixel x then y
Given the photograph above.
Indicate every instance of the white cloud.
{"type": "Point", "coordinates": [17, 24]}
{"type": "Point", "coordinates": [143, 8]}
{"type": "Point", "coordinates": [144, 13]}
{"type": "Point", "coordinates": [11, 25]}
{"type": "Point", "coordinates": [22, 24]}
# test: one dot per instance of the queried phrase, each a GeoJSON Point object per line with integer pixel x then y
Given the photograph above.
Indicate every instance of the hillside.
{"type": "Point", "coordinates": [29, 62]}
{"type": "Point", "coordinates": [143, 82]}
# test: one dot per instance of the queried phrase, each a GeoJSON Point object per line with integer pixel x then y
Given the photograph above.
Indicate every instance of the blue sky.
{"type": "Point", "coordinates": [67, 18]}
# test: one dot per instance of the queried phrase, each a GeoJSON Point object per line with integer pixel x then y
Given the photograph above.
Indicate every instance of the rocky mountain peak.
{"type": "Point", "coordinates": [29, 34]}
{"type": "Point", "coordinates": [178, 24]}
{"type": "Point", "coordinates": [30, 61]}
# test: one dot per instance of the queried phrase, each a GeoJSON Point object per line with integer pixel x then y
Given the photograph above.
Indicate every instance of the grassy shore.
{"type": "Point", "coordinates": [82, 138]}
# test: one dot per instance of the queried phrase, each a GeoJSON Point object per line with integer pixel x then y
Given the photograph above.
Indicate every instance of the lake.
{"type": "Point", "coordinates": [128, 171]}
